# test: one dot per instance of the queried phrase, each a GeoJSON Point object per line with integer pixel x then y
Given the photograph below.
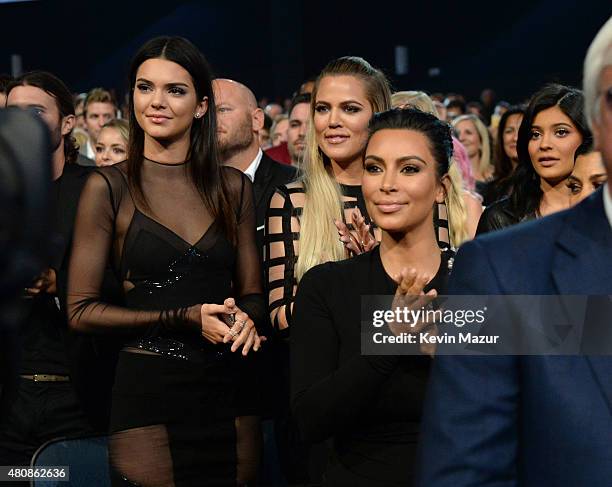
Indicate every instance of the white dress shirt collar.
{"type": "Point", "coordinates": [252, 169]}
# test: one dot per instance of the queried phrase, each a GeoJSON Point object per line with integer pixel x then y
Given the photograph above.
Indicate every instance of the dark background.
{"type": "Point", "coordinates": [272, 45]}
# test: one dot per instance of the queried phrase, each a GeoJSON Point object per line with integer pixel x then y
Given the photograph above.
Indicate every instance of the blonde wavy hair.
{"type": "Point", "coordinates": [456, 209]}
{"type": "Point", "coordinates": [120, 126]}
{"type": "Point", "coordinates": [318, 241]}
{"type": "Point", "coordinates": [485, 166]}
{"type": "Point", "coordinates": [417, 99]}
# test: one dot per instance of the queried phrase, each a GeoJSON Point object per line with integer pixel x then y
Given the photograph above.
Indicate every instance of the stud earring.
{"type": "Point", "coordinates": [198, 115]}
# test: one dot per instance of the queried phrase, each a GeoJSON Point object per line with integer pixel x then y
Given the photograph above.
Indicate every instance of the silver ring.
{"type": "Point", "coordinates": [242, 324]}
{"type": "Point", "coordinates": [233, 333]}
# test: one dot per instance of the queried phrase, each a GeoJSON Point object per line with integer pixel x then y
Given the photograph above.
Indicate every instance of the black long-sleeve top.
{"type": "Point", "coordinates": [370, 405]}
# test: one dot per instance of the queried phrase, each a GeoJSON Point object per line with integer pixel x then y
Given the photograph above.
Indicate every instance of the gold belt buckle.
{"type": "Point", "coordinates": [50, 378]}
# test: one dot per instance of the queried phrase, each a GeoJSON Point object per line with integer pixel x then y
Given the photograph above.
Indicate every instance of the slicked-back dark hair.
{"type": "Point", "coordinates": [527, 193]}
{"type": "Point", "coordinates": [206, 169]}
{"type": "Point", "coordinates": [438, 133]}
{"type": "Point", "coordinates": [56, 88]}
{"type": "Point", "coordinates": [299, 98]}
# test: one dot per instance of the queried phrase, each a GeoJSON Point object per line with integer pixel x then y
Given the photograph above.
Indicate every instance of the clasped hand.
{"type": "Point", "coordinates": [224, 323]}
{"type": "Point", "coordinates": [45, 283]}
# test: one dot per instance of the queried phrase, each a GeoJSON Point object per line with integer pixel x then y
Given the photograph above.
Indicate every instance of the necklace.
{"type": "Point", "coordinates": [167, 163]}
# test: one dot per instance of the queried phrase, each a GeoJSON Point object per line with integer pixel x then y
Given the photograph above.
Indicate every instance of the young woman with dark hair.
{"type": "Point", "coordinates": [179, 230]}
{"type": "Point", "coordinates": [589, 174]}
{"type": "Point", "coordinates": [553, 127]}
{"type": "Point", "coordinates": [505, 156]}
{"type": "Point", "coordinates": [371, 405]}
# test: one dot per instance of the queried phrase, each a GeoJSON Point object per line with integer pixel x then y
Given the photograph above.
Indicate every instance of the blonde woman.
{"type": "Point", "coordinates": [300, 230]}
{"type": "Point", "coordinates": [111, 146]}
{"type": "Point", "coordinates": [474, 136]}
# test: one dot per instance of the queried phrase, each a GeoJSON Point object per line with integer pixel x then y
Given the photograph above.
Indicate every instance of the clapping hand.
{"type": "Point", "coordinates": [410, 294]}
{"type": "Point", "coordinates": [359, 240]}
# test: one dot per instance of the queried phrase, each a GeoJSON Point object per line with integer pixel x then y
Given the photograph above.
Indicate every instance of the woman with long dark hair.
{"type": "Point", "coordinates": [505, 155]}
{"type": "Point", "coordinates": [179, 230]}
{"type": "Point", "coordinates": [371, 405]}
{"type": "Point", "coordinates": [553, 127]}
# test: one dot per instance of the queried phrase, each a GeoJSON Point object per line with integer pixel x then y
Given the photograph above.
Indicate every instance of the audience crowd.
{"type": "Point", "coordinates": [200, 309]}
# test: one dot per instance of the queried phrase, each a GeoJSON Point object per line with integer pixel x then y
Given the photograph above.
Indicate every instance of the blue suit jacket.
{"type": "Point", "coordinates": [525, 420]}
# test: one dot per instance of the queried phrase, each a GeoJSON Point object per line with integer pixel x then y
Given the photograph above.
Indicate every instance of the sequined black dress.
{"type": "Point", "coordinates": [184, 410]}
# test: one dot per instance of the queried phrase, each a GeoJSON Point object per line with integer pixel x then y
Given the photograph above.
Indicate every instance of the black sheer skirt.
{"type": "Point", "coordinates": [175, 422]}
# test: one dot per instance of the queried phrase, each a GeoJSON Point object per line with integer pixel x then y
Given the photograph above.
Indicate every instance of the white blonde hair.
{"type": "Point", "coordinates": [598, 57]}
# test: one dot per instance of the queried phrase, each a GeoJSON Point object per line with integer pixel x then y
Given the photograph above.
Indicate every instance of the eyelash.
{"type": "Point", "coordinates": [558, 133]}
{"type": "Point", "coordinates": [374, 169]}
{"type": "Point", "coordinates": [574, 187]}
{"type": "Point", "coordinates": [348, 108]}
{"type": "Point", "coordinates": [116, 150]}
{"type": "Point", "coordinates": [175, 90]}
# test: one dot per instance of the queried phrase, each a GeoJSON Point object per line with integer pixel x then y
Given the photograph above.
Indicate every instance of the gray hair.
{"type": "Point", "coordinates": [598, 57]}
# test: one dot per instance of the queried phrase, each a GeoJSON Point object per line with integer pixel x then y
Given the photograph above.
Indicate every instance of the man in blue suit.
{"type": "Point", "coordinates": [524, 420]}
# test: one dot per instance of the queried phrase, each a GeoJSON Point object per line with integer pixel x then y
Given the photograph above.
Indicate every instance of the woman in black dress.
{"type": "Point", "coordinates": [179, 230]}
{"type": "Point", "coordinates": [371, 405]}
{"type": "Point", "coordinates": [551, 131]}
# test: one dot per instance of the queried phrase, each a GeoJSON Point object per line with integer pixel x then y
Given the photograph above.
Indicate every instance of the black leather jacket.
{"type": "Point", "coordinates": [499, 215]}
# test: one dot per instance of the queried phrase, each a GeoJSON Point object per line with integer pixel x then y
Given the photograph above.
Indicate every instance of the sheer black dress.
{"type": "Point", "coordinates": [184, 409]}
{"type": "Point", "coordinates": [370, 405]}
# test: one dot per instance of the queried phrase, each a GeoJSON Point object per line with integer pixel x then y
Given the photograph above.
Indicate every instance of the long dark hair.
{"type": "Point", "coordinates": [502, 162]}
{"type": "Point", "coordinates": [438, 133]}
{"type": "Point", "coordinates": [527, 193]}
{"type": "Point", "coordinates": [206, 169]}
{"type": "Point", "coordinates": [502, 183]}
{"type": "Point", "coordinates": [55, 87]}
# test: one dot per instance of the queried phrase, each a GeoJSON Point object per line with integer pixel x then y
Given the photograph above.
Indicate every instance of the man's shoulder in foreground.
{"type": "Point", "coordinates": [520, 258]}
